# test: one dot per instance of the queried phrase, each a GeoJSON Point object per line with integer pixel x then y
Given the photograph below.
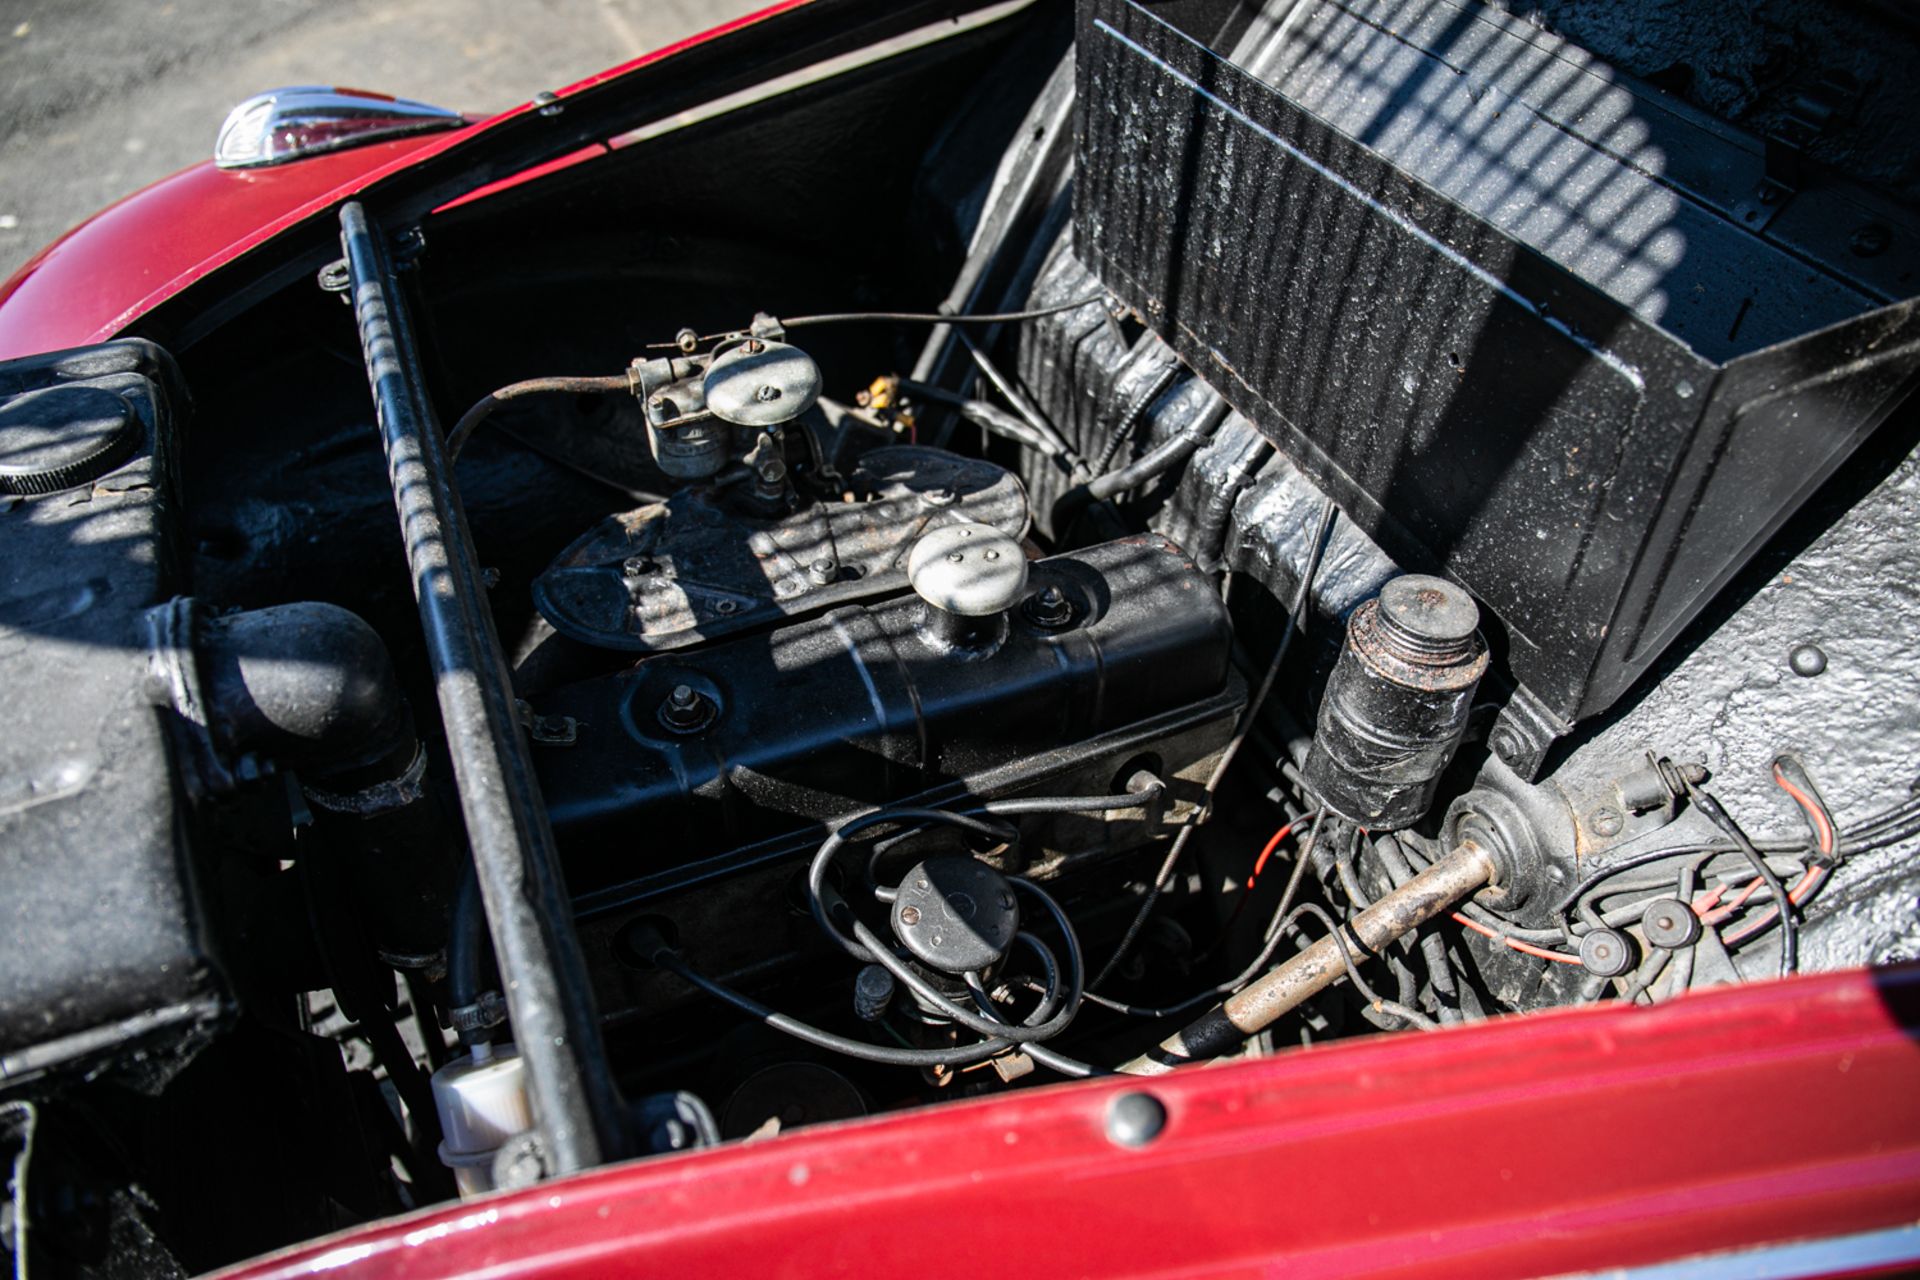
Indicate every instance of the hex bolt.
{"type": "Point", "coordinates": [1807, 660]}
{"type": "Point", "coordinates": [1135, 1119]}
{"type": "Point", "coordinates": [823, 571]}
{"type": "Point", "coordinates": [685, 710]}
{"type": "Point", "coordinates": [1605, 821]}
{"type": "Point", "coordinates": [1049, 608]}
{"type": "Point", "coordinates": [687, 340]}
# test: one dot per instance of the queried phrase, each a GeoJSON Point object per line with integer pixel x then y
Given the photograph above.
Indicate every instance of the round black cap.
{"type": "Point", "coordinates": [955, 914]}
{"type": "Point", "coordinates": [59, 437]}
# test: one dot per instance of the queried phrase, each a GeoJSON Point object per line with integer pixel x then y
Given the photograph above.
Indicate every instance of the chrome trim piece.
{"type": "Point", "coordinates": [297, 121]}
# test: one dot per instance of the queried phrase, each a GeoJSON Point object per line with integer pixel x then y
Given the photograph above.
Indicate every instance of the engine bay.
{"type": "Point", "coordinates": [1108, 538]}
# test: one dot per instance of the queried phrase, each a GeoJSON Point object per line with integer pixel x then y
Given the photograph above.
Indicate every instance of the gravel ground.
{"type": "Point", "coordinates": [101, 97]}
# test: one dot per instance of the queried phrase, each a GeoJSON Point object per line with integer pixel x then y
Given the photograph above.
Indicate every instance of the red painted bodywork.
{"type": "Point", "coordinates": [93, 282]}
{"type": "Point", "coordinates": [1565, 1141]}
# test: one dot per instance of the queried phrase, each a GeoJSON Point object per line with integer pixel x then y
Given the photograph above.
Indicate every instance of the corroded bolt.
{"type": "Point", "coordinates": [1049, 607]}
{"type": "Point", "coordinates": [822, 571]}
{"type": "Point", "coordinates": [909, 915]}
{"type": "Point", "coordinates": [687, 340]}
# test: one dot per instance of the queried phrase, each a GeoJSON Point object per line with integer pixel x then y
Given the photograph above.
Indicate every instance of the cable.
{"type": "Point", "coordinates": [1372, 997]}
{"type": "Point", "coordinates": [1791, 776]}
{"type": "Point", "coordinates": [1789, 930]}
{"type": "Point", "coordinates": [1524, 948]}
{"type": "Point", "coordinates": [470, 420]}
{"type": "Point", "coordinates": [1259, 863]}
{"type": "Point", "coordinates": [1160, 880]}
{"type": "Point", "coordinates": [1889, 826]}
{"type": "Point", "coordinates": [962, 1056]}
{"type": "Point", "coordinates": [1276, 931]}
{"type": "Point", "coordinates": [1808, 885]}
{"type": "Point", "coordinates": [29, 1118]}
{"type": "Point", "coordinates": [934, 317]}
{"type": "Point", "coordinates": [823, 858]}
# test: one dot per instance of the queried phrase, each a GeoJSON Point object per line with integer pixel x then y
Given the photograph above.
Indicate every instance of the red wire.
{"type": "Point", "coordinates": [1268, 852]}
{"type": "Point", "coordinates": [1523, 948]}
{"type": "Point", "coordinates": [1811, 879]}
{"type": "Point", "coordinates": [1823, 829]}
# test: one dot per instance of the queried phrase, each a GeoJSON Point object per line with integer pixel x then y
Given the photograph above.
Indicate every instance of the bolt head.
{"type": "Point", "coordinates": [687, 340]}
{"type": "Point", "coordinates": [1605, 821]}
{"type": "Point", "coordinates": [1049, 608]}
{"type": "Point", "coordinates": [767, 394]}
{"type": "Point", "coordinates": [1870, 240]}
{"type": "Point", "coordinates": [683, 696]}
{"type": "Point", "coordinates": [1807, 660]}
{"type": "Point", "coordinates": [909, 915]}
{"type": "Point", "coordinates": [1135, 1119]}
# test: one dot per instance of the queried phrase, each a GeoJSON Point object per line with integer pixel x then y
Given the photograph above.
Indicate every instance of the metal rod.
{"type": "Point", "coordinates": [576, 1105]}
{"type": "Point", "coordinates": [1263, 1002]}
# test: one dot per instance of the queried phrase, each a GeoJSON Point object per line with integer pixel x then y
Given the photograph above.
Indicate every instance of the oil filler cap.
{"type": "Point", "coordinates": [59, 437]}
{"type": "Point", "coordinates": [955, 914]}
{"type": "Point", "coordinates": [970, 569]}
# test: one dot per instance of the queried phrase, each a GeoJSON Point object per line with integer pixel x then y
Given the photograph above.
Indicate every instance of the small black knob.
{"type": "Point", "coordinates": [1606, 953]}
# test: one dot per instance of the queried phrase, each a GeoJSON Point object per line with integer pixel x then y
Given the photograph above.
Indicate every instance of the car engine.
{"type": "Point", "coordinates": [1088, 539]}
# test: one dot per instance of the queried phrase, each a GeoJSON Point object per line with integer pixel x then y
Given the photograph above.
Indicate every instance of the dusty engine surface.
{"type": "Point", "coordinates": [1246, 563]}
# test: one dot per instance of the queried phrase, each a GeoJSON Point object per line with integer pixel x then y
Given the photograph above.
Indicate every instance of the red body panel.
{"type": "Point", "coordinates": [1559, 1142]}
{"type": "Point", "coordinates": [93, 282]}
{"type": "Point", "coordinates": [1564, 1141]}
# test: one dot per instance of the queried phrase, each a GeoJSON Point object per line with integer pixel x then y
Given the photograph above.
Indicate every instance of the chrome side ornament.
{"type": "Point", "coordinates": [291, 123]}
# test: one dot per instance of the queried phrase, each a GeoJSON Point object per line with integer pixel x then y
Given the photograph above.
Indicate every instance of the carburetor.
{"type": "Point", "coordinates": [694, 402]}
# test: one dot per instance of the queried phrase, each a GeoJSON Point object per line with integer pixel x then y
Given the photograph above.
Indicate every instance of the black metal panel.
{"type": "Point", "coordinates": [103, 938]}
{"type": "Point", "coordinates": [859, 707]}
{"type": "Point", "coordinates": [1518, 417]}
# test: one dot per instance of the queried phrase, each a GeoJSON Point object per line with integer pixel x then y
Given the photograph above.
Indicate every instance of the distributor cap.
{"type": "Point", "coordinates": [955, 914]}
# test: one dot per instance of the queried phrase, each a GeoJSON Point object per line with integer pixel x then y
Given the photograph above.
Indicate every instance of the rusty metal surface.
{"type": "Point", "coordinates": [704, 564]}
{"type": "Point", "coordinates": [1259, 1005]}
{"type": "Point", "coordinates": [1433, 891]}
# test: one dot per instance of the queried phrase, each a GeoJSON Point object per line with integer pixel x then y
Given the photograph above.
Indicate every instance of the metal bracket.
{"type": "Point", "coordinates": [1808, 117]}
{"type": "Point", "coordinates": [1525, 731]}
